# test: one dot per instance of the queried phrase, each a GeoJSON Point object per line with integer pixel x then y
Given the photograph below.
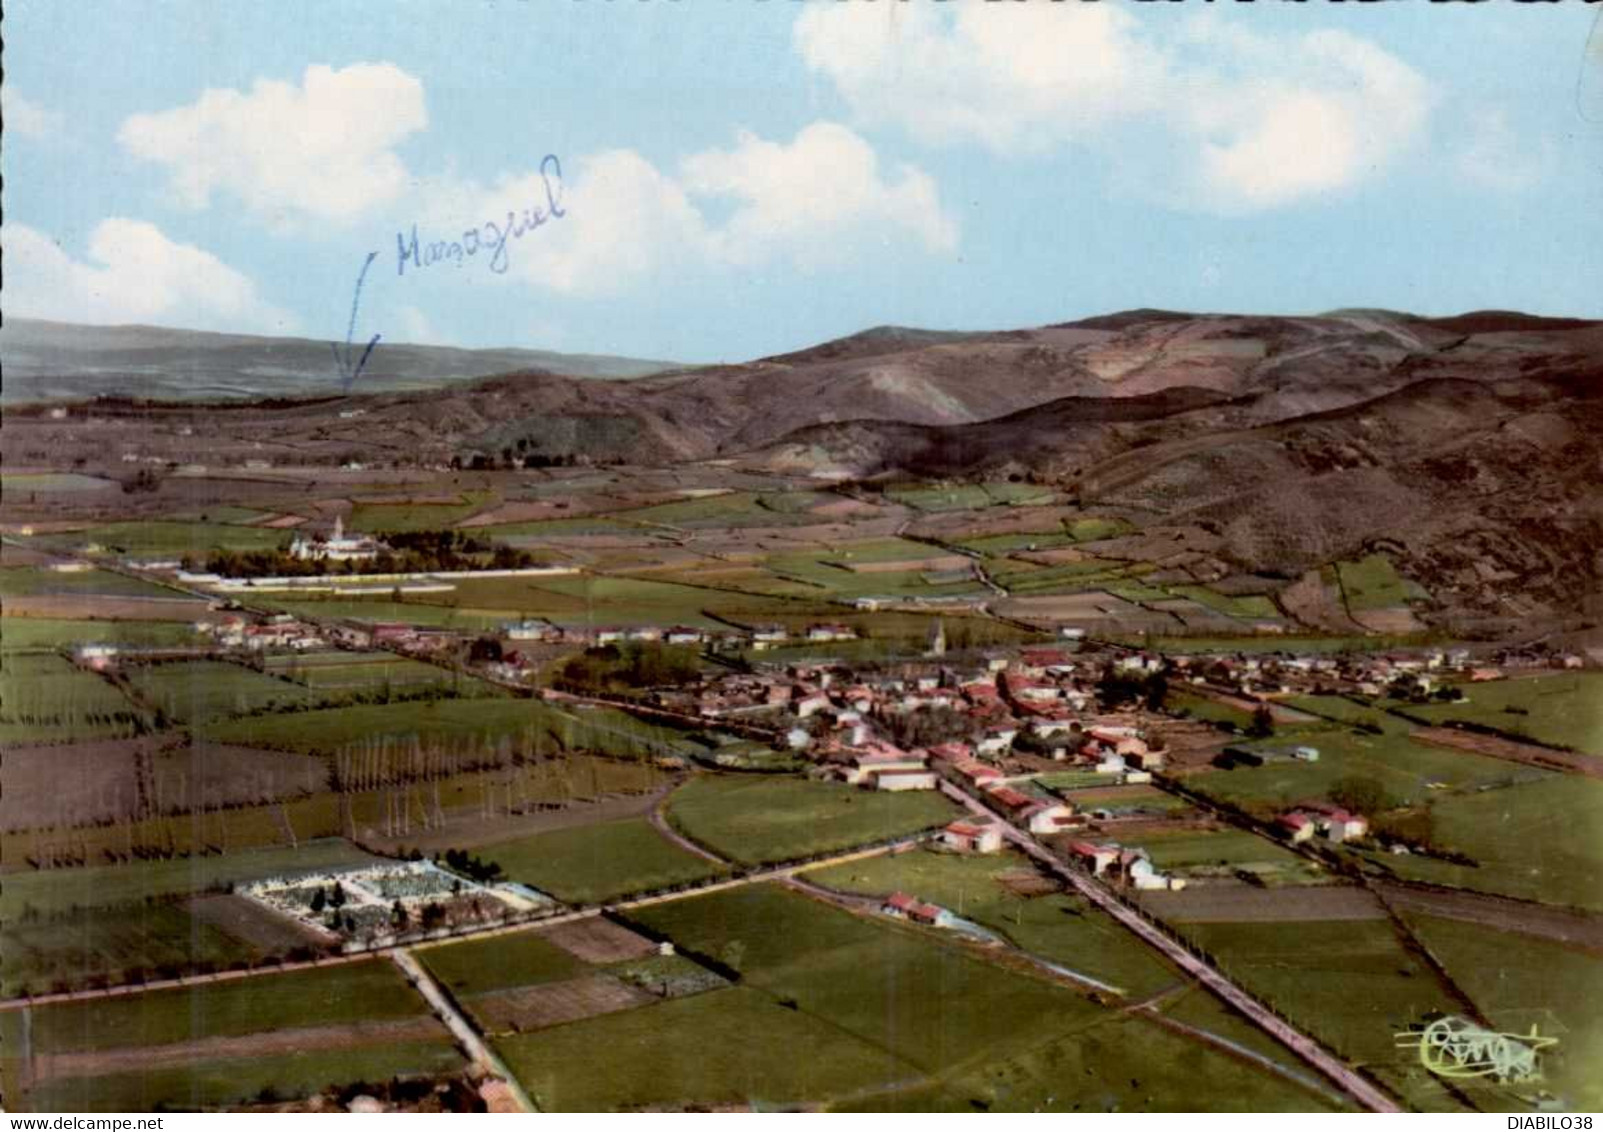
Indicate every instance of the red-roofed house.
{"type": "Point", "coordinates": [1296, 826]}
{"type": "Point", "coordinates": [973, 837]}
{"type": "Point", "coordinates": [1096, 858]}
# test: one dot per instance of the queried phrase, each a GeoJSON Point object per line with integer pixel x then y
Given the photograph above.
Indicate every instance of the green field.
{"type": "Point", "coordinates": [345, 671]}
{"type": "Point", "coordinates": [1351, 984]}
{"type": "Point", "coordinates": [1565, 708]}
{"type": "Point", "coordinates": [1058, 927]}
{"type": "Point", "coordinates": [368, 991]}
{"type": "Point", "coordinates": [1537, 840]}
{"type": "Point", "coordinates": [46, 699]}
{"type": "Point", "coordinates": [380, 518]}
{"type": "Point", "coordinates": [930, 1004]}
{"type": "Point", "coordinates": [1372, 582]}
{"type": "Point", "coordinates": [18, 633]}
{"type": "Point", "coordinates": [517, 959]}
{"type": "Point", "coordinates": [1405, 769]}
{"type": "Point", "coordinates": [756, 820]}
{"type": "Point", "coordinates": [1158, 1071]}
{"type": "Point", "coordinates": [954, 1032]}
{"type": "Point", "coordinates": [24, 482]}
{"type": "Point", "coordinates": [167, 539]}
{"type": "Point", "coordinates": [531, 725]}
{"type": "Point", "coordinates": [1342, 710]}
{"type": "Point", "coordinates": [381, 609]}
{"type": "Point", "coordinates": [1211, 850]}
{"type": "Point", "coordinates": [241, 1080]}
{"type": "Point", "coordinates": [970, 496]}
{"type": "Point", "coordinates": [325, 996]}
{"type": "Point", "coordinates": [52, 891]}
{"type": "Point", "coordinates": [719, 512]}
{"type": "Point", "coordinates": [1520, 981]}
{"type": "Point", "coordinates": [37, 955]}
{"type": "Point", "coordinates": [1201, 707]}
{"type": "Point", "coordinates": [728, 1047]}
{"type": "Point", "coordinates": [199, 691]}
{"type": "Point", "coordinates": [27, 581]}
{"type": "Point", "coordinates": [1252, 607]}
{"type": "Point", "coordinates": [590, 863]}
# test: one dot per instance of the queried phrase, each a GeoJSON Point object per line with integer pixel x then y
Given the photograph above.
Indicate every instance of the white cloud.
{"type": "Point", "coordinates": [804, 203]}
{"type": "Point", "coordinates": [1219, 117]}
{"type": "Point", "coordinates": [26, 118]}
{"type": "Point", "coordinates": [134, 273]}
{"type": "Point", "coordinates": [801, 200]}
{"type": "Point", "coordinates": [1012, 77]}
{"type": "Point", "coordinates": [1494, 156]}
{"type": "Point", "coordinates": [321, 150]}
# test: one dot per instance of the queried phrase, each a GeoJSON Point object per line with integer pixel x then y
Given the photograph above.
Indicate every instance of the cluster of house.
{"type": "Point", "coordinates": [279, 631]}
{"type": "Point", "coordinates": [757, 638]}
{"type": "Point", "coordinates": [1365, 674]}
{"type": "Point", "coordinates": [1324, 818]}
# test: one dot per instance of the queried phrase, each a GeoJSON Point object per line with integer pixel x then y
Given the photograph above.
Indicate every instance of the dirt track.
{"type": "Point", "coordinates": [1561, 924]}
{"type": "Point", "coordinates": [1492, 746]}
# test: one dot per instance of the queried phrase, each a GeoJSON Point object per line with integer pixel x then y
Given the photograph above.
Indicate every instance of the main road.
{"type": "Point", "coordinates": [1348, 1079]}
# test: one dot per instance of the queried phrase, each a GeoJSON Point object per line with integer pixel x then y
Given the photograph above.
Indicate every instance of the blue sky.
{"type": "Point", "coordinates": [741, 177]}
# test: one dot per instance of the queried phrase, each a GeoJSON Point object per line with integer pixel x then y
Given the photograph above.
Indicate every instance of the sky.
{"type": "Point", "coordinates": [706, 180]}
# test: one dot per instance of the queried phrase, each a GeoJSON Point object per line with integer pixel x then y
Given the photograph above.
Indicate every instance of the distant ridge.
{"type": "Point", "coordinates": [48, 361]}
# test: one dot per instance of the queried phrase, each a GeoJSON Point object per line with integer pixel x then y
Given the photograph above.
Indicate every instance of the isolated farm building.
{"type": "Point", "coordinates": [1096, 859]}
{"type": "Point", "coordinates": [1339, 825]}
{"type": "Point", "coordinates": [973, 837]}
{"type": "Point", "coordinates": [831, 632]}
{"type": "Point", "coordinates": [1139, 871]}
{"type": "Point", "coordinates": [95, 656]}
{"type": "Point", "coordinates": [1232, 757]}
{"type": "Point", "coordinates": [1295, 826]}
{"type": "Point", "coordinates": [903, 906]}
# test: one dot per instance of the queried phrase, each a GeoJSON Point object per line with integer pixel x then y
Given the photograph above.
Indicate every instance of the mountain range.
{"type": "Point", "coordinates": [47, 361]}
{"type": "Point", "coordinates": [1470, 447]}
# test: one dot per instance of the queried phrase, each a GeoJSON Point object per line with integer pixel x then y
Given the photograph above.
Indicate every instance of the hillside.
{"type": "Point", "coordinates": [1471, 447]}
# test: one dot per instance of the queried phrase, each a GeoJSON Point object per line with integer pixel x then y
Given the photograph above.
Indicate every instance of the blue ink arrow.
{"type": "Point", "coordinates": [348, 372]}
